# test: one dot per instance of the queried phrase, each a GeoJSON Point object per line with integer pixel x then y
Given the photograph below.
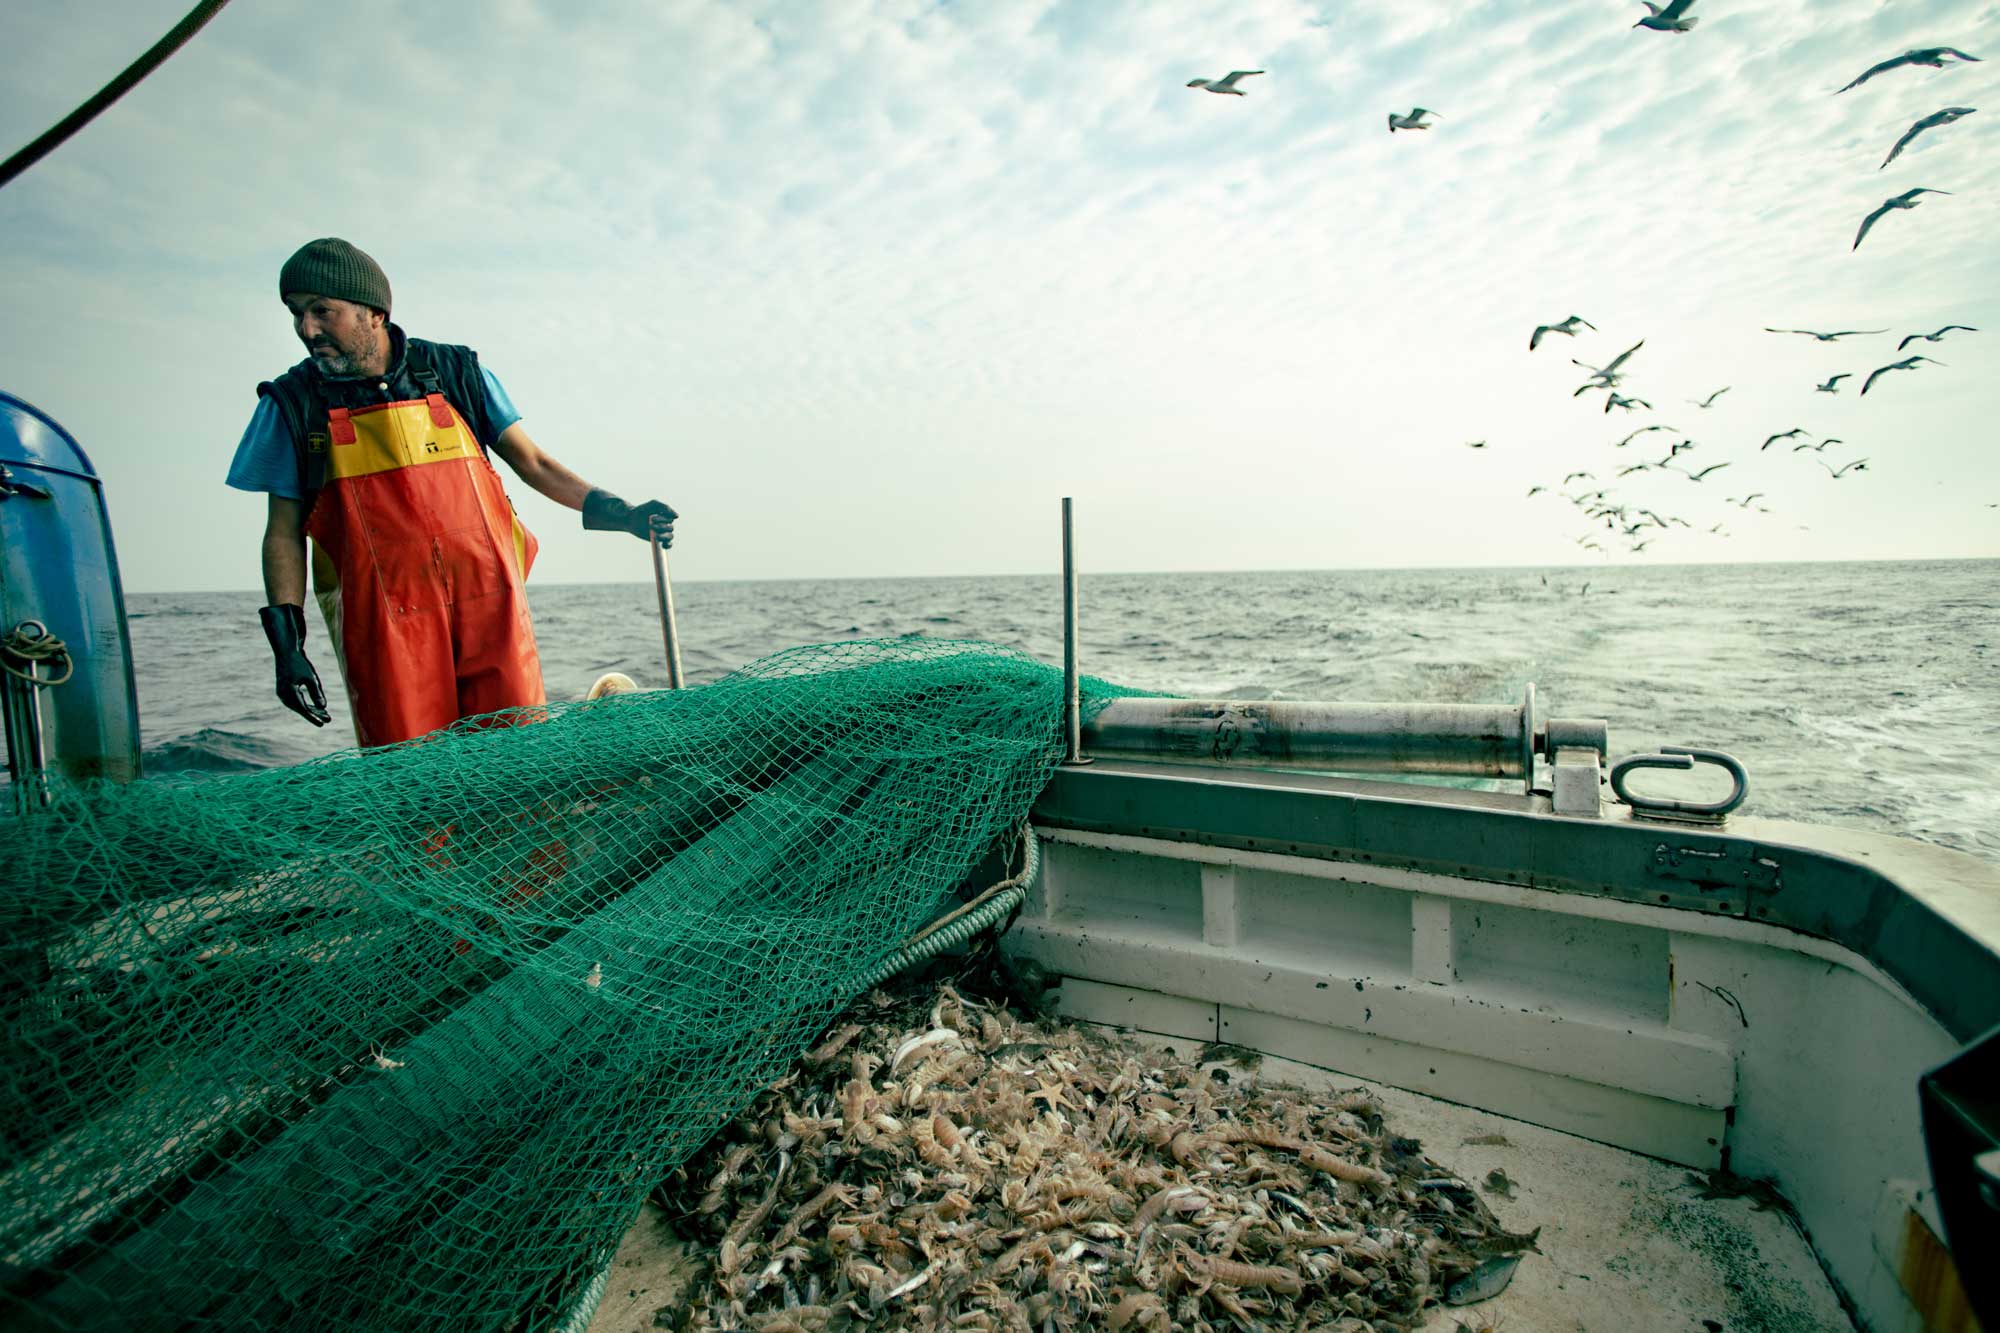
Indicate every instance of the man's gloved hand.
{"type": "Point", "coordinates": [605, 512]}
{"type": "Point", "coordinates": [298, 683]}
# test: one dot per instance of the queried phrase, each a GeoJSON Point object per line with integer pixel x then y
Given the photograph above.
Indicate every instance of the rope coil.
{"type": "Point", "coordinates": [30, 642]}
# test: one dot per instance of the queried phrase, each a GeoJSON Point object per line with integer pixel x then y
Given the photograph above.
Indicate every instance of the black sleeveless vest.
{"type": "Point", "coordinates": [416, 368]}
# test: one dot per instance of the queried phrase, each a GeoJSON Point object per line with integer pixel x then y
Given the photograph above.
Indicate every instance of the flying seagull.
{"type": "Point", "coordinates": [1566, 326]}
{"type": "Point", "coordinates": [1932, 121]}
{"type": "Point", "coordinates": [1608, 373]}
{"type": "Point", "coordinates": [1413, 121]}
{"type": "Point", "coordinates": [1475, 444]}
{"type": "Point", "coordinates": [1907, 199]}
{"type": "Point", "coordinates": [1533, 491]}
{"type": "Point", "coordinates": [1932, 56]}
{"type": "Point", "coordinates": [1833, 381]}
{"type": "Point", "coordinates": [1225, 84]}
{"type": "Point", "coordinates": [1710, 400]}
{"type": "Point", "coordinates": [1782, 435]}
{"type": "Point", "coordinates": [1574, 475]}
{"type": "Point", "coordinates": [1641, 431]}
{"type": "Point", "coordinates": [1907, 363]}
{"type": "Point", "coordinates": [1933, 337]}
{"type": "Point", "coordinates": [1825, 337]}
{"type": "Point", "coordinates": [1816, 448]}
{"type": "Point", "coordinates": [1712, 467]}
{"type": "Point", "coordinates": [1616, 399]}
{"type": "Point", "coordinates": [1858, 465]}
{"type": "Point", "coordinates": [1669, 19]}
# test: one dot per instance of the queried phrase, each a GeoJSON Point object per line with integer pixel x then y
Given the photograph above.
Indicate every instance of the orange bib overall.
{"type": "Point", "coordinates": [418, 565]}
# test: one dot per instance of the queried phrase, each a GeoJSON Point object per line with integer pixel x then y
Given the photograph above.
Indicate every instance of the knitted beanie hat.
{"type": "Point", "coordinates": [332, 267]}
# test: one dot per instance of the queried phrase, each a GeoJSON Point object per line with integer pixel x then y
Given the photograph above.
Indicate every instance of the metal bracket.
{"type": "Point", "coordinates": [1680, 757]}
{"type": "Point", "coordinates": [1576, 782]}
{"type": "Point", "coordinates": [21, 709]}
{"type": "Point", "coordinates": [1727, 875]}
{"type": "Point", "coordinates": [9, 488]}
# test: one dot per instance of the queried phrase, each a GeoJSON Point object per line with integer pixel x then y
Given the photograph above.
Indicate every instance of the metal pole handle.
{"type": "Point", "coordinates": [1072, 701]}
{"type": "Point", "coordinates": [666, 591]}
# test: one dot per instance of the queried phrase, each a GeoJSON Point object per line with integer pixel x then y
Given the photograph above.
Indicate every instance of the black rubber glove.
{"type": "Point", "coordinates": [605, 512]}
{"type": "Point", "coordinates": [298, 683]}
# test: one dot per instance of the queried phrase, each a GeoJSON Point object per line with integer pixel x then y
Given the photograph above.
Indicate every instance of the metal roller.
{"type": "Point", "coordinates": [1459, 740]}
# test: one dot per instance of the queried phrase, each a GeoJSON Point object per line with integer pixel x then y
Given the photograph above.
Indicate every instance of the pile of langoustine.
{"type": "Point", "coordinates": [962, 1169]}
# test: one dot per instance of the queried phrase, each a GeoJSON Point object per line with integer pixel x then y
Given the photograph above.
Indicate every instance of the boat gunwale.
{"type": "Point", "coordinates": [1932, 947]}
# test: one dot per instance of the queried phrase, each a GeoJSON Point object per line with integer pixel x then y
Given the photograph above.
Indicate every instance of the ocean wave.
{"type": "Point", "coordinates": [212, 750]}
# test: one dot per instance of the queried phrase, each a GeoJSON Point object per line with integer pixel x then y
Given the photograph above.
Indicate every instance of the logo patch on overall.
{"type": "Point", "coordinates": [315, 442]}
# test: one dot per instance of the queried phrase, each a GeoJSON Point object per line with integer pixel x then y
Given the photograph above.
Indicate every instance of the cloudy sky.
{"type": "Point", "coordinates": [863, 287]}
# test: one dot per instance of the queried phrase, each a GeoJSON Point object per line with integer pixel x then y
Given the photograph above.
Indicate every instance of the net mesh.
{"type": "Point", "coordinates": [401, 1039]}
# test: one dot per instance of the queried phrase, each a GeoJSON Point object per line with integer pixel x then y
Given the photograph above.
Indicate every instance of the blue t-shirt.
{"type": "Point", "coordinates": [265, 460]}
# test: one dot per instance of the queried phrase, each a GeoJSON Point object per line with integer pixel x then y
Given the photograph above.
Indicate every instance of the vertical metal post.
{"type": "Point", "coordinates": [1072, 710]}
{"type": "Point", "coordinates": [666, 591]}
{"type": "Point", "coordinates": [27, 756]}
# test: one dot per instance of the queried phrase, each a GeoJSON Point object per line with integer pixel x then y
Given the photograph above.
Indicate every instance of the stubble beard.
{"type": "Point", "coordinates": [350, 358]}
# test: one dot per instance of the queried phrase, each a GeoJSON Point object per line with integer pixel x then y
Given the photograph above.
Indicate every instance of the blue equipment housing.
{"type": "Point", "coordinates": [57, 566]}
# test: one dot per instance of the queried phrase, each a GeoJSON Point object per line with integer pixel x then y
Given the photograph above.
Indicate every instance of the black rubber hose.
{"type": "Point", "coordinates": [112, 91]}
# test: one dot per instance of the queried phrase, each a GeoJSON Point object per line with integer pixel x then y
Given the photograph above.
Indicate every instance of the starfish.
{"type": "Point", "coordinates": [1053, 1094]}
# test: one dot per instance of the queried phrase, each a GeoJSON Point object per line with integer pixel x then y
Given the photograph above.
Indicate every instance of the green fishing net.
{"type": "Point", "coordinates": [399, 1040]}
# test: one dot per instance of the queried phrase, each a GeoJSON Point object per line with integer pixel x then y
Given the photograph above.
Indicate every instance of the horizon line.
{"type": "Point", "coordinates": [1156, 573]}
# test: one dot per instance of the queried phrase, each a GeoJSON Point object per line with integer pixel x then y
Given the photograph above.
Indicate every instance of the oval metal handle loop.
{"type": "Point", "coordinates": [1680, 757]}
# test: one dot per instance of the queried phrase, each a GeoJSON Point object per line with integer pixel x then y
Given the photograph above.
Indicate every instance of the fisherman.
{"type": "Point", "coordinates": [376, 447]}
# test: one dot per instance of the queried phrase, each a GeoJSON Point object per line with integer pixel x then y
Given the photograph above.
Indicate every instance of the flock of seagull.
{"type": "Point", "coordinates": [1631, 521]}
{"type": "Point", "coordinates": [1603, 510]}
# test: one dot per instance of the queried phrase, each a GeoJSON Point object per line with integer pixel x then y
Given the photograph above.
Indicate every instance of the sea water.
{"type": "Point", "coordinates": [1857, 694]}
